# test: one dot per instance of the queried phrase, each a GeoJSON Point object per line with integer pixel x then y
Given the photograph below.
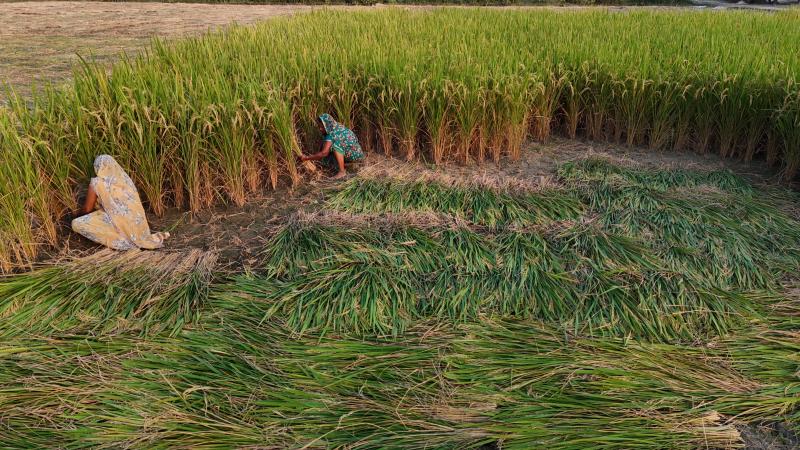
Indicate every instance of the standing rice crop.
{"type": "Point", "coordinates": [214, 118]}
{"type": "Point", "coordinates": [23, 198]}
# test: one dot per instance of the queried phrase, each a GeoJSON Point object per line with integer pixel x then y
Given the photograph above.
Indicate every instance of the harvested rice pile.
{"type": "Point", "coordinates": [611, 307]}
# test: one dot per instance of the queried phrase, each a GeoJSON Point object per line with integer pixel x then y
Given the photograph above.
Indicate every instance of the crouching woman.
{"type": "Point", "coordinates": [113, 213]}
{"type": "Point", "coordinates": [341, 140]}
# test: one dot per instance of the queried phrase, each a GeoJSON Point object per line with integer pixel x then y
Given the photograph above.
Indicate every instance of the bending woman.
{"type": "Point", "coordinates": [341, 140]}
{"type": "Point", "coordinates": [119, 221]}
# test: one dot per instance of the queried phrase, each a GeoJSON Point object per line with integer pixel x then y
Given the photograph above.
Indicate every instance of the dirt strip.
{"type": "Point", "coordinates": [40, 41]}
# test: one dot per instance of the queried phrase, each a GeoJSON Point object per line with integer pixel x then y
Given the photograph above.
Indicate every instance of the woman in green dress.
{"type": "Point", "coordinates": [341, 140]}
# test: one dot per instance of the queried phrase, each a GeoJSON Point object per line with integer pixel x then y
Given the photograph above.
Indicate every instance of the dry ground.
{"type": "Point", "coordinates": [40, 41]}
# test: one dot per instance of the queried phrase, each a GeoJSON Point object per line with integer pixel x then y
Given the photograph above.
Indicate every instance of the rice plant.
{"type": "Point", "coordinates": [713, 224]}
{"type": "Point", "coordinates": [23, 198]}
{"type": "Point", "coordinates": [578, 379]}
{"type": "Point", "coordinates": [136, 291]}
{"type": "Point", "coordinates": [241, 381]}
{"type": "Point", "coordinates": [212, 119]}
{"type": "Point", "coordinates": [350, 274]}
{"type": "Point", "coordinates": [475, 202]}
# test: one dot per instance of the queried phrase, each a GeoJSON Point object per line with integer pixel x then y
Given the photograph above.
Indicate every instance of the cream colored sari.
{"type": "Point", "coordinates": [120, 222]}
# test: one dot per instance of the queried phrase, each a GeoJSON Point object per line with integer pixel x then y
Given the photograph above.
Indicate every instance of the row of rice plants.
{"type": "Point", "coordinates": [489, 203]}
{"type": "Point", "coordinates": [667, 254]}
{"type": "Point", "coordinates": [213, 118]}
{"type": "Point", "coordinates": [457, 259]}
{"type": "Point", "coordinates": [710, 223]}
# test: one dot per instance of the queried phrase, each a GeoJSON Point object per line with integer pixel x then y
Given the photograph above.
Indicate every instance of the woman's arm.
{"type": "Point", "coordinates": [326, 149]}
{"type": "Point", "coordinates": [91, 201]}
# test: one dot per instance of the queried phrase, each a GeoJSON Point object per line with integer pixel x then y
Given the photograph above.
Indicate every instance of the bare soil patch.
{"type": "Point", "coordinates": [40, 41]}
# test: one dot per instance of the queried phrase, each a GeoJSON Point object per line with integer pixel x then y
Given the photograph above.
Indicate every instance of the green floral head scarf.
{"type": "Point", "coordinates": [342, 139]}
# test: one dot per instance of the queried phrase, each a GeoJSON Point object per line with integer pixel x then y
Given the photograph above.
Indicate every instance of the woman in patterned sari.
{"type": "Point", "coordinates": [119, 221]}
{"type": "Point", "coordinates": [341, 140]}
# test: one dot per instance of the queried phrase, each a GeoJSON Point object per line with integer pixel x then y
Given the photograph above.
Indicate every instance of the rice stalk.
{"type": "Point", "coordinates": [108, 292]}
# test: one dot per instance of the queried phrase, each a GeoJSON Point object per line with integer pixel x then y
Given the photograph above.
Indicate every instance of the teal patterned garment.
{"type": "Point", "coordinates": [342, 139]}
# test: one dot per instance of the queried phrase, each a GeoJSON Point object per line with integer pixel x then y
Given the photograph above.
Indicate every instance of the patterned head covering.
{"type": "Point", "coordinates": [119, 198]}
{"type": "Point", "coordinates": [329, 123]}
{"type": "Point", "coordinates": [343, 140]}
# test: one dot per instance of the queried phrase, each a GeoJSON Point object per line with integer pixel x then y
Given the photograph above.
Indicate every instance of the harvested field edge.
{"type": "Point", "coordinates": [201, 359]}
{"type": "Point", "coordinates": [385, 253]}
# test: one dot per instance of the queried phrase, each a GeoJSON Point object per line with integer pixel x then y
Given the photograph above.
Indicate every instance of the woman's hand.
{"type": "Point", "coordinates": [326, 148]}
{"type": "Point", "coordinates": [91, 201]}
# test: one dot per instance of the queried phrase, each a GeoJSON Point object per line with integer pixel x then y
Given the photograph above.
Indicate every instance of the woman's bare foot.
{"type": "Point", "coordinates": [339, 175]}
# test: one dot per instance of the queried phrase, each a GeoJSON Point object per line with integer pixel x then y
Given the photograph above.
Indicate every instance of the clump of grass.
{"type": "Point", "coordinates": [108, 292]}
